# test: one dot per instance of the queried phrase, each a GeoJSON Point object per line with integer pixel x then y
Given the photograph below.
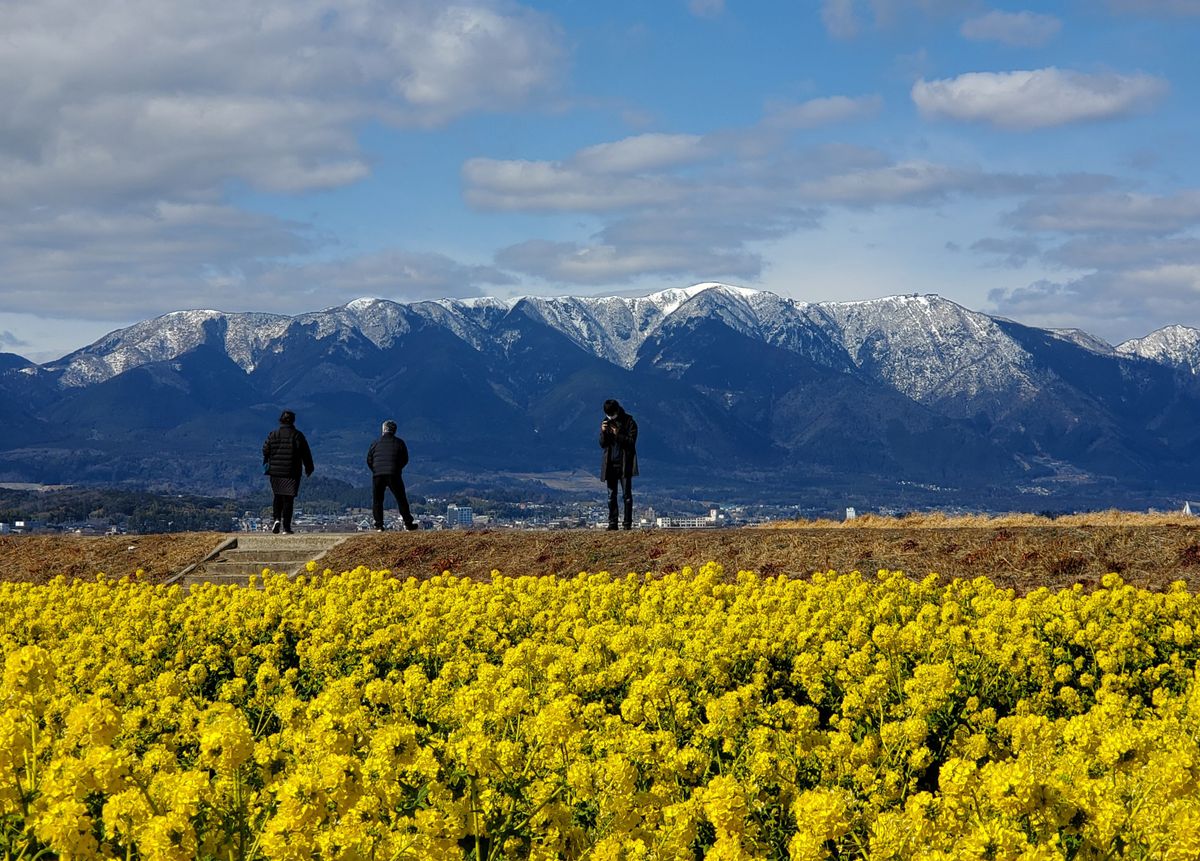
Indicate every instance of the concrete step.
{"type": "Point", "coordinates": [275, 543]}
{"type": "Point", "coordinates": [217, 568]}
{"type": "Point", "coordinates": [265, 553]}
{"type": "Point", "coordinates": [245, 554]}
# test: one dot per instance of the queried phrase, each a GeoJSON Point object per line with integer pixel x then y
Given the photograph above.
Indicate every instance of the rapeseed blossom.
{"type": "Point", "coordinates": [358, 716]}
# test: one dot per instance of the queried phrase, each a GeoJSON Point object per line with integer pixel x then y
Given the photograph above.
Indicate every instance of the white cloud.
{"type": "Point", "coordinates": [1040, 98]}
{"type": "Point", "coordinates": [1139, 252]}
{"type": "Point", "coordinates": [171, 98]}
{"type": "Point", "coordinates": [1108, 252]}
{"type": "Point", "coordinates": [1110, 213]}
{"type": "Point", "coordinates": [824, 111]}
{"type": "Point", "coordinates": [600, 263]}
{"type": "Point", "coordinates": [8, 339]}
{"type": "Point", "coordinates": [691, 206]}
{"type": "Point", "coordinates": [140, 263]}
{"type": "Point", "coordinates": [843, 18]}
{"type": "Point", "coordinates": [539, 186]}
{"type": "Point", "coordinates": [706, 8]}
{"type": "Point", "coordinates": [641, 153]}
{"type": "Point", "coordinates": [1020, 29]}
{"type": "Point", "coordinates": [124, 263]}
{"type": "Point", "coordinates": [400, 275]}
{"type": "Point", "coordinates": [1115, 305]}
{"type": "Point", "coordinates": [909, 182]}
{"type": "Point", "coordinates": [1013, 253]}
{"type": "Point", "coordinates": [840, 18]}
{"type": "Point", "coordinates": [126, 122]}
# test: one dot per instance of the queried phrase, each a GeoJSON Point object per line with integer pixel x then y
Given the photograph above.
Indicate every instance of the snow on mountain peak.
{"type": "Point", "coordinates": [928, 347]}
{"type": "Point", "coordinates": [669, 301]}
{"type": "Point", "coordinates": [1176, 346]}
{"type": "Point", "coordinates": [1083, 339]}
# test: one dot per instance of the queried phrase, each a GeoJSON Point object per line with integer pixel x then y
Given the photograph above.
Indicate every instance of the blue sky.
{"type": "Point", "coordinates": [1036, 162]}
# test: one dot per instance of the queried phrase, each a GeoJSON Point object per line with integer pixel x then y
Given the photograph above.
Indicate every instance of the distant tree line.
{"type": "Point", "coordinates": [135, 511]}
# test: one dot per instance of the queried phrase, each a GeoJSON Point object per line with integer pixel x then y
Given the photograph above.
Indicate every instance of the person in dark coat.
{"type": "Point", "coordinates": [285, 454]}
{"type": "Point", "coordinates": [618, 438]}
{"type": "Point", "coordinates": [387, 458]}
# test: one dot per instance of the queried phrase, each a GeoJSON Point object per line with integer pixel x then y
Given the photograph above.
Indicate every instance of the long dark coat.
{"type": "Point", "coordinates": [624, 440]}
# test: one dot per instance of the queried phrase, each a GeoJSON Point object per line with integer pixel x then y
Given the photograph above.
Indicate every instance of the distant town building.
{"type": "Point", "coordinates": [1187, 509]}
{"type": "Point", "coordinates": [851, 513]}
{"type": "Point", "coordinates": [459, 516]}
{"type": "Point", "coordinates": [712, 520]}
{"type": "Point", "coordinates": [5, 528]}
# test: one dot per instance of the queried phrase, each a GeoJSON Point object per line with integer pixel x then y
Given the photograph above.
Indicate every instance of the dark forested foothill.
{"type": "Point", "coordinates": [127, 510]}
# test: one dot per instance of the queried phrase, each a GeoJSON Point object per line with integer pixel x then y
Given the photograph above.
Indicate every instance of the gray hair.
{"type": "Point", "coordinates": [389, 426]}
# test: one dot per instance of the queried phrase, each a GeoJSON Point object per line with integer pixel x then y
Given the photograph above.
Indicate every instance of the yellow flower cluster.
{"type": "Point", "coordinates": [357, 716]}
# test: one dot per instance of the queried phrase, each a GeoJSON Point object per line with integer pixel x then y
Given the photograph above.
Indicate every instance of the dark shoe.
{"type": "Point", "coordinates": [627, 526]}
{"type": "Point", "coordinates": [612, 527]}
{"type": "Point", "coordinates": [412, 527]}
{"type": "Point", "coordinates": [276, 526]}
{"type": "Point", "coordinates": [380, 529]}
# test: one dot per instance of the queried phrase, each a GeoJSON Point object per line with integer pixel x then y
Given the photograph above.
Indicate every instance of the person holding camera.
{"type": "Point", "coordinates": [618, 438]}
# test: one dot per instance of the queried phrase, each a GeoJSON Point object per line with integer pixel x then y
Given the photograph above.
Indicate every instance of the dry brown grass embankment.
{"type": "Point", "coordinates": [39, 558]}
{"type": "Point", "coordinates": [936, 520]}
{"type": "Point", "coordinates": [1148, 552]}
{"type": "Point", "coordinates": [1019, 557]}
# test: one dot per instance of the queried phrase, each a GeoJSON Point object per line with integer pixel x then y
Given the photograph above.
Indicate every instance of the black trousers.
{"type": "Point", "coordinates": [613, 482]}
{"type": "Point", "coordinates": [281, 510]}
{"type": "Point", "coordinates": [379, 485]}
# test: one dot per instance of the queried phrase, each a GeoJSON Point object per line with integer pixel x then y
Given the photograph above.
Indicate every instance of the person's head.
{"type": "Point", "coordinates": [612, 409]}
{"type": "Point", "coordinates": [287, 417]}
{"type": "Point", "coordinates": [389, 426]}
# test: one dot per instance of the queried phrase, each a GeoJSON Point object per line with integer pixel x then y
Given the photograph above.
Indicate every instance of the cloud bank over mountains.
{"type": "Point", "coordinates": [265, 156]}
{"type": "Point", "coordinates": [127, 124]}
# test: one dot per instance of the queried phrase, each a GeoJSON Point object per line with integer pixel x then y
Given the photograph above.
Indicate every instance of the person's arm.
{"type": "Point", "coordinates": [606, 435]}
{"type": "Point", "coordinates": [401, 455]}
{"type": "Point", "coordinates": [306, 454]}
{"type": "Point", "coordinates": [628, 439]}
{"type": "Point", "coordinates": [267, 449]}
{"type": "Point", "coordinates": [371, 456]}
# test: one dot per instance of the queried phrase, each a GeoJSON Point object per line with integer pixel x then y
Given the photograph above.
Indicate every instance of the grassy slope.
{"type": "Point", "coordinates": [1051, 553]}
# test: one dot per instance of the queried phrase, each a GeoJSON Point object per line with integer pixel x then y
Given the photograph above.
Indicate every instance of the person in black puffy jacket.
{"type": "Point", "coordinates": [285, 455]}
{"type": "Point", "coordinates": [387, 458]}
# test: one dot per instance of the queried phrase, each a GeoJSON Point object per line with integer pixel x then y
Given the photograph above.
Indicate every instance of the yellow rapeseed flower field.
{"type": "Point", "coordinates": [359, 716]}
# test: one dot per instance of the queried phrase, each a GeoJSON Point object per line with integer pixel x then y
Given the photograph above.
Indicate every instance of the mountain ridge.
{"type": "Point", "coordinates": [878, 395]}
{"type": "Point", "coordinates": [616, 320]}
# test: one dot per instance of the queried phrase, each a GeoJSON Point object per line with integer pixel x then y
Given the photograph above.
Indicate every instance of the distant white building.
{"type": "Point", "coordinates": [5, 528]}
{"type": "Point", "coordinates": [459, 516]}
{"type": "Point", "coordinates": [713, 519]}
{"type": "Point", "coordinates": [1187, 509]}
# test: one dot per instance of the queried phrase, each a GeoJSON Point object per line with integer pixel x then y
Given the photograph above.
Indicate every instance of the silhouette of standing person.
{"type": "Point", "coordinates": [618, 438]}
{"type": "Point", "coordinates": [387, 458]}
{"type": "Point", "coordinates": [285, 454]}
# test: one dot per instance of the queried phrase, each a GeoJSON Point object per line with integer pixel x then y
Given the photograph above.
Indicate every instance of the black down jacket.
{"type": "Point", "coordinates": [286, 453]}
{"type": "Point", "coordinates": [388, 455]}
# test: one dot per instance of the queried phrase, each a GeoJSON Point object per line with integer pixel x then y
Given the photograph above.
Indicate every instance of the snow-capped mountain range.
{"type": "Point", "coordinates": [936, 393]}
{"type": "Point", "coordinates": [918, 343]}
